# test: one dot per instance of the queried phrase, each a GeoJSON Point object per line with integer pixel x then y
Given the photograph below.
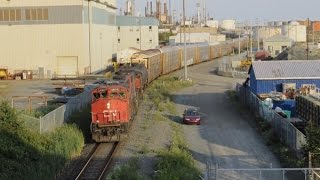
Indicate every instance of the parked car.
{"type": "Point", "coordinates": [191, 116]}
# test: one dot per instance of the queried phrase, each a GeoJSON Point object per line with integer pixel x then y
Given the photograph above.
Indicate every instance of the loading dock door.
{"type": "Point", "coordinates": [67, 66]}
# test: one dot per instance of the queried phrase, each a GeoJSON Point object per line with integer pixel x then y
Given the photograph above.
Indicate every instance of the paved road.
{"type": "Point", "coordinates": [224, 137]}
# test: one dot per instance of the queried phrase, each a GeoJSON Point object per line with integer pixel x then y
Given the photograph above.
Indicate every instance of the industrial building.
{"type": "Point", "coordinates": [57, 38]}
{"type": "Point", "coordinates": [267, 76]}
{"type": "Point", "coordinates": [228, 24]}
{"type": "Point", "coordinates": [137, 32]}
{"type": "Point", "coordinates": [264, 32]}
{"type": "Point", "coordinates": [295, 31]}
{"type": "Point", "coordinates": [282, 81]}
{"type": "Point", "coordinates": [197, 38]}
{"type": "Point", "coordinates": [276, 44]}
{"type": "Point", "coordinates": [162, 12]}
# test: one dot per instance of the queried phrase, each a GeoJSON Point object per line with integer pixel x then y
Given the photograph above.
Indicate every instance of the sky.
{"type": "Point", "coordinates": [246, 10]}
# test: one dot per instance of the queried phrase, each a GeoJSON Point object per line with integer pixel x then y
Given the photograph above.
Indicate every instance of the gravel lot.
{"type": "Point", "coordinates": [224, 137]}
{"type": "Point", "coordinates": [9, 88]}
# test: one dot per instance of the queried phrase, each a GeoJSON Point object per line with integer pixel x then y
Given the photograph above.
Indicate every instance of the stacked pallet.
{"type": "Point", "coordinates": [308, 108]}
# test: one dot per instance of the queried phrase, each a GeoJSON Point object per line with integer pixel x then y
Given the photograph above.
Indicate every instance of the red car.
{"type": "Point", "coordinates": [191, 116]}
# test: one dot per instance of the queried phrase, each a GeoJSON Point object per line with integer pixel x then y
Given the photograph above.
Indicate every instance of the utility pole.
{"type": "Point", "coordinates": [250, 40]}
{"type": "Point", "coordinates": [312, 33]}
{"type": "Point", "coordinates": [239, 50]}
{"type": "Point", "coordinates": [180, 29]}
{"type": "Point", "coordinates": [307, 40]}
{"type": "Point", "coordinates": [184, 47]}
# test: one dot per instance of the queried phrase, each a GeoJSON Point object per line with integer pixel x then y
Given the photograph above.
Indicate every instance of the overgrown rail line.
{"type": "Point", "coordinates": [98, 162]}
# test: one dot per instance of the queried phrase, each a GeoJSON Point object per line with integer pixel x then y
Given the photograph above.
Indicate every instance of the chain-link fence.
{"type": "Point", "coordinates": [315, 175]}
{"type": "Point", "coordinates": [60, 115]}
{"type": "Point", "coordinates": [30, 122]}
{"type": "Point", "coordinates": [216, 173]}
{"type": "Point", "coordinates": [281, 126]}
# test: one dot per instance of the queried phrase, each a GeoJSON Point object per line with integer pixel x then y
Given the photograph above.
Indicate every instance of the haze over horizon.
{"type": "Point", "coordinates": [245, 10]}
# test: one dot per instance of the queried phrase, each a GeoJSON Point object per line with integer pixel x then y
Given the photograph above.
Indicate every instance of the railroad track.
{"type": "Point", "coordinates": [98, 162]}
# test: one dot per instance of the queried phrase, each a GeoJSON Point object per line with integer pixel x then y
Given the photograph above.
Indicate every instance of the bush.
{"type": "Point", "coordinates": [177, 162]}
{"type": "Point", "coordinates": [159, 90]}
{"type": "Point", "coordinates": [26, 154]}
{"type": "Point", "coordinates": [128, 171]}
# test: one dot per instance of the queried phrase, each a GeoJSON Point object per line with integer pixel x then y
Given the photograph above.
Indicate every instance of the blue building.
{"type": "Point", "coordinates": [267, 76]}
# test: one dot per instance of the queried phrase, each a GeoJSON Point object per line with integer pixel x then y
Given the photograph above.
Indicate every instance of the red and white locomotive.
{"type": "Point", "coordinates": [115, 102]}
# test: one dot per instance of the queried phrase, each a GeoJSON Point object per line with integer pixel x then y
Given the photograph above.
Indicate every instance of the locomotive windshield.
{"type": "Point", "coordinates": [118, 94]}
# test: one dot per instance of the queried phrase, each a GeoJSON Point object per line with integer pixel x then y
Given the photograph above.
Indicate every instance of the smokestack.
{"type": "Point", "coordinates": [130, 8]}
{"type": "Point", "coordinates": [205, 12]}
{"type": "Point", "coordinates": [158, 12]}
{"type": "Point", "coordinates": [133, 8]}
{"type": "Point", "coordinates": [165, 9]}
{"type": "Point", "coordinates": [170, 13]}
{"type": "Point", "coordinates": [147, 9]}
{"type": "Point", "coordinates": [151, 9]}
{"type": "Point", "coordinates": [198, 13]}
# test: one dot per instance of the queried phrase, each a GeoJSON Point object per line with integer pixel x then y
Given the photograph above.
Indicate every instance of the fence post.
{"type": "Point", "coordinates": [216, 173]}
{"type": "Point", "coordinates": [260, 175]}
{"type": "Point", "coordinates": [40, 119]}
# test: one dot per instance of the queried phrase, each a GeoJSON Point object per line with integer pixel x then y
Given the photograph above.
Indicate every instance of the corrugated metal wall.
{"type": "Point", "coordinates": [265, 86]}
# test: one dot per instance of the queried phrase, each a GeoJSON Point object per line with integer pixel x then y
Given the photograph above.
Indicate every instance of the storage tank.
{"type": "Point", "coordinates": [212, 23]}
{"type": "Point", "coordinates": [278, 23]}
{"type": "Point", "coordinates": [229, 24]}
{"type": "Point", "coordinates": [270, 23]}
{"type": "Point", "coordinates": [295, 31]}
{"type": "Point", "coordinates": [285, 23]}
{"type": "Point", "coordinates": [265, 32]}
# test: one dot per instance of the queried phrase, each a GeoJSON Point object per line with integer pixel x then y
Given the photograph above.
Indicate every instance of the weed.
{"type": "Point", "coordinates": [128, 171]}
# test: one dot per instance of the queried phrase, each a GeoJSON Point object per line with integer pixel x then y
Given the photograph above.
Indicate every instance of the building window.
{"type": "Point", "coordinates": [283, 48]}
{"type": "Point", "coordinates": [138, 40]}
{"type": "Point", "coordinates": [40, 14]}
{"type": "Point", "coordinates": [119, 28]}
{"type": "Point", "coordinates": [150, 41]}
{"type": "Point", "coordinates": [118, 40]}
{"type": "Point", "coordinates": [10, 15]}
{"type": "Point", "coordinates": [277, 52]}
{"type": "Point", "coordinates": [150, 28]}
{"type": "Point", "coordinates": [270, 48]}
{"type": "Point", "coordinates": [6, 15]}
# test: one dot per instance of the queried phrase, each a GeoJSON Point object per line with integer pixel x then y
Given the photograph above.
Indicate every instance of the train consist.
{"type": "Point", "coordinates": [115, 101]}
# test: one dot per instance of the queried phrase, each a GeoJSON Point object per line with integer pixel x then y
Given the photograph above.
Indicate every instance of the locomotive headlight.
{"type": "Point", "coordinates": [108, 105]}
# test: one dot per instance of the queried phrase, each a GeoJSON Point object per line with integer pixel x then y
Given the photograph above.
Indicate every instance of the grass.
{"type": "Point", "coordinates": [176, 162]}
{"type": "Point", "coordinates": [160, 91]}
{"type": "Point", "coordinates": [128, 171]}
{"type": "Point", "coordinates": [27, 154]}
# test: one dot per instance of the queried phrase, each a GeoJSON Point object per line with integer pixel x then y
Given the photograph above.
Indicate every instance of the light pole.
{"type": "Point", "coordinates": [184, 46]}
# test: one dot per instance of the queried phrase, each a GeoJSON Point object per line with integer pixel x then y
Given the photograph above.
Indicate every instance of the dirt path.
{"type": "Point", "coordinates": [224, 137]}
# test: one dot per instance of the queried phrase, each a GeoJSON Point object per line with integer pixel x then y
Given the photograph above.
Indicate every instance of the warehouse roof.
{"type": "Point", "coordinates": [278, 38]}
{"type": "Point", "coordinates": [298, 69]}
{"type": "Point", "coordinates": [136, 21]}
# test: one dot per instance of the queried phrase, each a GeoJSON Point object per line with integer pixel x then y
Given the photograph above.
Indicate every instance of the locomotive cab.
{"type": "Point", "coordinates": [110, 112]}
